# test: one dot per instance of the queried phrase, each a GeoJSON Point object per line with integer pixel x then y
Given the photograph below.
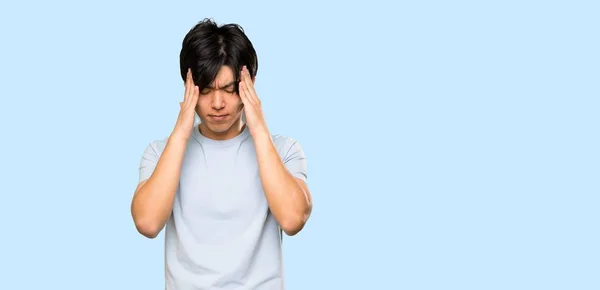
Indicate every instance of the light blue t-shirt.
{"type": "Point", "coordinates": [221, 234]}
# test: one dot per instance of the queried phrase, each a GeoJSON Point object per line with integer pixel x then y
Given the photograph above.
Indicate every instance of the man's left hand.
{"type": "Point", "coordinates": [252, 107]}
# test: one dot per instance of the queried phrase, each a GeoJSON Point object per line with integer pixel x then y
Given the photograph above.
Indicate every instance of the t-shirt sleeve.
{"type": "Point", "coordinates": [148, 162]}
{"type": "Point", "coordinates": [295, 160]}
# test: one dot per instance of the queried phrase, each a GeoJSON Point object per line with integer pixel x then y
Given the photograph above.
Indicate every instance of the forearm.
{"type": "Point", "coordinates": [153, 202]}
{"type": "Point", "coordinates": [287, 199]}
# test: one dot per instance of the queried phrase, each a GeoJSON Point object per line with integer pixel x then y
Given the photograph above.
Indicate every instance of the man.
{"type": "Point", "coordinates": [227, 188]}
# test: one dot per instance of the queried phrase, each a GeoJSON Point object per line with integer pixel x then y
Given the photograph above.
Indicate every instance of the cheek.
{"type": "Point", "coordinates": [203, 105]}
{"type": "Point", "coordinates": [235, 101]}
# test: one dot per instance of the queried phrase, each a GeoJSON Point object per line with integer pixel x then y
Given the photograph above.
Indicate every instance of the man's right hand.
{"type": "Point", "coordinates": [153, 199]}
{"type": "Point", "coordinates": [185, 121]}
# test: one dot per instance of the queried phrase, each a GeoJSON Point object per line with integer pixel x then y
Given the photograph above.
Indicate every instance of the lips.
{"type": "Point", "coordinates": [218, 117]}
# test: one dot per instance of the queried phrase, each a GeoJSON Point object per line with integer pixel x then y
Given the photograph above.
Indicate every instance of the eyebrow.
{"type": "Point", "coordinates": [229, 84]}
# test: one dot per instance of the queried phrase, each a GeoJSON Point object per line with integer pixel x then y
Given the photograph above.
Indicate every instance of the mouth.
{"type": "Point", "coordinates": [218, 117]}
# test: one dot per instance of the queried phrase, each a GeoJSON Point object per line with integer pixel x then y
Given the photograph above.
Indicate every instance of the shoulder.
{"type": "Point", "coordinates": [156, 146]}
{"type": "Point", "coordinates": [283, 140]}
{"type": "Point", "coordinates": [286, 145]}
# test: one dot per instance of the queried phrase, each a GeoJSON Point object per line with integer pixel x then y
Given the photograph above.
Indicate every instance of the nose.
{"type": "Point", "coordinates": [217, 102]}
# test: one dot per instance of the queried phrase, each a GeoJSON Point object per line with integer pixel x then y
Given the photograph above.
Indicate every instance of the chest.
{"type": "Point", "coordinates": [221, 184]}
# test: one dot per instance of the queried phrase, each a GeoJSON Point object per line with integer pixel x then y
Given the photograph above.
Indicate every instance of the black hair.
{"type": "Point", "coordinates": [207, 47]}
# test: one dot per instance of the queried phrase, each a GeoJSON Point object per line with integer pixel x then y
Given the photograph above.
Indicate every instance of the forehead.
{"type": "Point", "coordinates": [224, 77]}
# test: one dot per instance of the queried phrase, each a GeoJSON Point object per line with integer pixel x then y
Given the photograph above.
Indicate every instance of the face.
{"type": "Point", "coordinates": [220, 107]}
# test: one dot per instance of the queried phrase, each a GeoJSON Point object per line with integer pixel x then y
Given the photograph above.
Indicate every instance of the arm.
{"type": "Point", "coordinates": [152, 202]}
{"type": "Point", "coordinates": [287, 194]}
{"type": "Point", "coordinates": [283, 181]}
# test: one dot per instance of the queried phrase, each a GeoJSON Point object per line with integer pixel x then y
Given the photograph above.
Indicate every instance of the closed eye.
{"type": "Point", "coordinates": [229, 88]}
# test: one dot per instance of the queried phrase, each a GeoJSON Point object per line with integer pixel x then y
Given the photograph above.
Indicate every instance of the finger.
{"type": "Point", "coordinates": [189, 88]}
{"type": "Point", "coordinates": [182, 104]}
{"type": "Point", "coordinates": [246, 92]}
{"type": "Point", "coordinates": [250, 84]}
{"type": "Point", "coordinates": [186, 89]}
{"type": "Point", "coordinates": [243, 93]}
{"type": "Point", "coordinates": [192, 101]}
{"type": "Point", "coordinates": [246, 88]}
{"type": "Point", "coordinates": [248, 104]}
{"type": "Point", "coordinates": [195, 96]}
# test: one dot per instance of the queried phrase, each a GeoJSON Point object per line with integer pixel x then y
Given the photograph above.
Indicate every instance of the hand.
{"type": "Point", "coordinates": [252, 107]}
{"type": "Point", "coordinates": [185, 121]}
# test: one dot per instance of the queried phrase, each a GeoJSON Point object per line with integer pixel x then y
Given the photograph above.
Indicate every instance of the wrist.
{"type": "Point", "coordinates": [261, 134]}
{"type": "Point", "coordinates": [178, 137]}
{"type": "Point", "coordinates": [263, 141]}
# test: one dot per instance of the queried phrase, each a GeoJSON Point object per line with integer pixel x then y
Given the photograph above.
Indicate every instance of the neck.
{"type": "Point", "coordinates": [236, 128]}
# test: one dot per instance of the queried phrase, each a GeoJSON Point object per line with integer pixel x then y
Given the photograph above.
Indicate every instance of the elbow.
{"type": "Point", "coordinates": [292, 225]}
{"type": "Point", "coordinates": [147, 225]}
{"type": "Point", "coordinates": [148, 229]}
{"type": "Point", "coordinates": [293, 221]}
{"type": "Point", "coordinates": [291, 228]}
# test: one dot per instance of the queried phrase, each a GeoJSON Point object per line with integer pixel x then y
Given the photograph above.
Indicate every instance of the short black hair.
{"type": "Point", "coordinates": [207, 47]}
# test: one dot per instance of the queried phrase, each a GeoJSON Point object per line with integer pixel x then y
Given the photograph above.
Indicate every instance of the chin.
{"type": "Point", "coordinates": [219, 128]}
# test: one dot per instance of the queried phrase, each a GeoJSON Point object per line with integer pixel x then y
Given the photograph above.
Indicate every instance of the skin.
{"type": "Point", "coordinates": [220, 110]}
{"type": "Point", "coordinates": [220, 99]}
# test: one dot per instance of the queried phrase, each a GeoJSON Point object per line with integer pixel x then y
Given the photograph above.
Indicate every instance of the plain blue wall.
{"type": "Point", "coordinates": [451, 144]}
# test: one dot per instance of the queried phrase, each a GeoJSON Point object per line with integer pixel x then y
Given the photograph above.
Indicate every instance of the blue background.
{"type": "Point", "coordinates": [451, 144]}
